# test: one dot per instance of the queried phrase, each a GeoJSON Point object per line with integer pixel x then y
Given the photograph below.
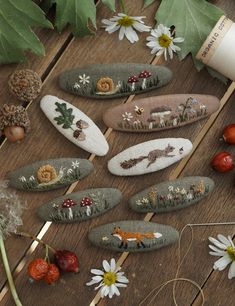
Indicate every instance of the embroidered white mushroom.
{"type": "Point", "coordinates": [144, 75]}
{"type": "Point", "coordinates": [132, 80]}
{"type": "Point", "coordinates": [160, 112]}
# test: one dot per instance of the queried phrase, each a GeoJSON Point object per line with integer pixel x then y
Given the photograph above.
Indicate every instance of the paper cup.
{"type": "Point", "coordinates": [218, 50]}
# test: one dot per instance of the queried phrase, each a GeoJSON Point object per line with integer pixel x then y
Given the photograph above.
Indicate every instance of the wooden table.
{"type": "Point", "coordinates": [145, 271]}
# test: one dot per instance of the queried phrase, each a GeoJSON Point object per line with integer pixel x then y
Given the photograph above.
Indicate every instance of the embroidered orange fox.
{"type": "Point", "coordinates": [125, 236]}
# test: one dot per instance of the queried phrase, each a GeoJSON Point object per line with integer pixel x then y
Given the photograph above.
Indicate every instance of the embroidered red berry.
{"type": "Point", "coordinates": [37, 269]}
{"type": "Point", "coordinates": [67, 261]}
{"type": "Point", "coordinates": [52, 275]}
{"type": "Point", "coordinates": [229, 134]}
{"type": "Point", "coordinates": [222, 162]}
{"type": "Point", "coordinates": [68, 203]}
{"type": "Point", "coordinates": [86, 201]}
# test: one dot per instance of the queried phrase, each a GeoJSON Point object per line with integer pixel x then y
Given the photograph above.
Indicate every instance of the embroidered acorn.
{"type": "Point", "coordinates": [132, 80]}
{"type": "Point", "coordinates": [46, 174]}
{"type": "Point", "coordinates": [37, 269]}
{"type": "Point", "coordinates": [25, 84]}
{"type": "Point", "coordinates": [79, 135]}
{"type": "Point", "coordinates": [105, 84]}
{"type": "Point", "coordinates": [68, 203]}
{"type": "Point", "coordinates": [229, 134]}
{"type": "Point", "coordinates": [67, 261]}
{"type": "Point", "coordinates": [144, 75]}
{"type": "Point", "coordinates": [14, 122]}
{"type": "Point", "coordinates": [52, 275]}
{"type": "Point", "coordinates": [86, 202]}
{"type": "Point", "coordinates": [81, 124]}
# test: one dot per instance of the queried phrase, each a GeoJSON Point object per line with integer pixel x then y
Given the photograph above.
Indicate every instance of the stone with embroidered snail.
{"type": "Point", "coordinates": [159, 113]}
{"type": "Point", "coordinates": [133, 236]}
{"type": "Point", "coordinates": [149, 156]}
{"type": "Point", "coordinates": [114, 80]}
{"type": "Point", "coordinates": [49, 174]}
{"type": "Point", "coordinates": [14, 122]}
{"type": "Point", "coordinates": [172, 195]}
{"type": "Point", "coordinates": [75, 125]}
{"type": "Point", "coordinates": [80, 206]}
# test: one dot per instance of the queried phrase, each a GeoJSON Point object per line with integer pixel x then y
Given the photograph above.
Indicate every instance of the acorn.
{"type": "Point", "coordinates": [67, 261]}
{"type": "Point", "coordinates": [229, 134]}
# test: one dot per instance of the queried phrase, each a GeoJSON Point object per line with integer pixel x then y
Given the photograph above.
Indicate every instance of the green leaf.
{"type": "Point", "coordinates": [111, 4]}
{"type": "Point", "coordinates": [77, 13]}
{"type": "Point", "coordinates": [148, 2]}
{"type": "Point", "coordinates": [193, 19]}
{"type": "Point", "coordinates": [16, 35]}
{"type": "Point", "coordinates": [66, 118]}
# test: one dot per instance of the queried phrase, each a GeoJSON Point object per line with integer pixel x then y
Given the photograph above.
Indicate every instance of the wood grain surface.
{"type": "Point", "coordinates": [148, 270]}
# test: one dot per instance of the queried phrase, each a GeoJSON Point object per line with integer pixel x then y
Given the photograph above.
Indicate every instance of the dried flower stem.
{"type": "Point", "coordinates": [23, 234]}
{"type": "Point", "coordinates": [8, 273]}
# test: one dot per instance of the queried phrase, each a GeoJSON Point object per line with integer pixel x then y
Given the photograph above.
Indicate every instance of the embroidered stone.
{"type": "Point", "coordinates": [133, 236]}
{"type": "Point", "coordinates": [114, 80]}
{"type": "Point", "coordinates": [74, 125]}
{"type": "Point", "coordinates": [50, 174]}
{"type": "Point", "coordinates": [81, 205]}
{"type": "Point", "coordinates": [172, 195]}
{"type": "Point", "coordinates": [149, 156]}
{"type": "Point", "coordinates": [160, 112]}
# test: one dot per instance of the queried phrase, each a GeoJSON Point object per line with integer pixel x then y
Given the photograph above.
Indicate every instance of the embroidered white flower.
{"type": "Point", "coordinates": [75, 164]}
{"type": "Point", "coordinates": [105, 238]}
{"type": "Point", "coordinates": [223, 247]}
{"type": "Point", "coordinates": [126, 26]}
{"type": "Point", "coordinates": [32, 178]}
{"type": "Point", "coordinates": [137, 121]}
{"type": "Point", "coordinates": [138, 202]}
{"type": "Point", "coordinates": [109, 280]}
{"type": "Point", "coordinates": [84, 79]}
{"type": "Point", "coordinates": [22, 179]}
{"type": "Point", "coordinates": [169, 196]}
{"type": "Point", "coordinates": [189, 196]}
{"type": "Point", "coordinates": [202, 106]}
{"type": "Point", "coordinates": [127, 116]}
{"type": "Point", "coordinates": [161, 41]}
{"type": "Point", "coordinates": [145, 201]}
{"type": "Point", "coordinates": [177, 190]}
{"type": "Point", "coordinates": [171, 188]}
{"type": "Point", "coordinates": [76, 86]}
{"type": "Point", "coordinates": [69, 171]}
{"type": "Point", "coordinates": [183, 191]}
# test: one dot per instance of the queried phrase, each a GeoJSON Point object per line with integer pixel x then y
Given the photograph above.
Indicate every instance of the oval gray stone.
{"type": "Point", "coordinates": [79, 206]}
{"type": "Point", "coordinates": [133, 236]}
{"type": "Point", "coordinates": [172, 195]}
{"type": "Point", "coordinates": [114, 80]}
{"type": "Point", "coordinates": [50, 174]}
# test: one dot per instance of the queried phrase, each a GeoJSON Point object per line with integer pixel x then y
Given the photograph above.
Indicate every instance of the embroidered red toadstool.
{"type": "Point", "coordinates": [144, 75]}
{"type": "Point", "coordinates": [68, 203]}
{"type": "Point", "coordinates": [133, 79]}
{"type": "Point", "coordinates": [87, 202]}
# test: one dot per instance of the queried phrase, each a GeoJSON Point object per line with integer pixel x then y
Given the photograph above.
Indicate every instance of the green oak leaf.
{"type": "Point", "coordinates": [110, 4]}
{"type": "Point", "coordinates": [66, 118]}
{"type": "Point", "coordinates": [16, 35]}
{"type": "Point", "coordinates": [77, 13]}
{"type": "Point", "coordinates": [193, 19]}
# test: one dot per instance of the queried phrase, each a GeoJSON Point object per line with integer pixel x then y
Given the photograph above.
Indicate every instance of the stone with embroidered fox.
{"type": "Point", "coordinates": [103, 81]}
{"type": "Point", "coordinates": [172, 195]}
{"type": "Point", "coordinates": [133, 236]}
{"type": "Point", "coordinates": [149, 156]}
{"type": "Point", "coordinates": [160, 112]}
{"type": "Point", "coordinates": [50, 174]}
{"type": "Point", "coordinates": [74, 125]}
{"type": "Point", "coordinates": [79, 206]}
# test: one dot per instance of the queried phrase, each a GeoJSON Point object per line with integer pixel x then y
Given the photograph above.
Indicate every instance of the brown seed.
{"type": "Point", "coordinates": [14, 133]}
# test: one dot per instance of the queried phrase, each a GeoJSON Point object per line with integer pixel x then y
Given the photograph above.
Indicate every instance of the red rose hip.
{"type": "Point", "coordinates": [229, 134]}
{"type": "Point", "coordinates": [52, 275]}
{"type": "Point", "coordinates": [37, 269]}
{"type": "Point", "coordinates": [222, 162]}
{"type": "Point", "coordinates": [67, 261]}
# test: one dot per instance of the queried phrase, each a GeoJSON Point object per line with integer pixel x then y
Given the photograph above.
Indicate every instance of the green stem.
{"type": "Point", "coordinates": [8, 273]}
{"type": "Point", "coordinates": [122, 3]}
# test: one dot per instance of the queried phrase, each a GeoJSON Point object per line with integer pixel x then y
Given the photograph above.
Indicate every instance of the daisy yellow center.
{"type": "Point", "coordinates": [164, 40]}
{"type": "Point", "coordinates": [109, 278]}
{"type": "Point", "coordinates": [126, 21]}
{"type": "Point", "coordinates": [231, 252]}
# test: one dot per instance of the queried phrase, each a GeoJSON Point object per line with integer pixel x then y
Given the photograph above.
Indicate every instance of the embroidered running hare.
{"type": "Point", "coordinates": [152, 157]}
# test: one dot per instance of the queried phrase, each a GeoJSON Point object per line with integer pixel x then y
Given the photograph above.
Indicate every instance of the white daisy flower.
{"type": "Point", "coordinates": [127, 116]}
{"type": "Point", "coordinates": [75, 164]}
{"type": "Point", "coordinates": [109, 280]}
{"type": "Point", "coordinates": [161, 41]}
{"type": "Point", "coordinates": [76, 86]}
{"type": "Point", "coordinates": [223, 247]}
{"type": "Point", "coordinates": [84, 79]}
{"type": "Point", "coordinates": [126, 26]}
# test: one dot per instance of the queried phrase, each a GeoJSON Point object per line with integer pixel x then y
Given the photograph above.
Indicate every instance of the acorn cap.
{"type": "Point", "coordinates": [11, 115]}
{"type": "Point", "coordinates": [25, 84]}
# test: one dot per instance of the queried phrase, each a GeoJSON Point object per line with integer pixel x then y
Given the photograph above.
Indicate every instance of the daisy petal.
{"type": "Point", "coordinates": [224, 240]}
{"type": "Point", "coordinates": [106, 266]}
{"type": "Point", "coordinates": [231, 272]}
{"type": "Point", "coordinates": [97, 271]}
{"type": "Point", "coordinates": [222, 263]}
{"type": "Point", "coordinates": [122, 279]}
{"type": "Point", "coordinates": [217, 243]}
{"type": "Point", "coordinates": [112, 265]}
{"type": "Point", "coordinates": [115, 290]}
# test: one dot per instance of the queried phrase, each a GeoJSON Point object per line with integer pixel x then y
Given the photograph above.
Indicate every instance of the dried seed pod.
{"type": "Point", "coordinates": [25, 84]}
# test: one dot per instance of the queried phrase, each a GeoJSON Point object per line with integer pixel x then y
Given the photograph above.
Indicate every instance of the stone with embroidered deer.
{"type": "Point", "coordinates": [149, 156]}
{"type": "Point", "coordinates": [79, 206]}
{"type": "Point", "coordinates": [74, 125]}
{"type": "Point", "coordinates": [103, 81]}
{"type": "Point", "coordinates": [172, 195]}
{"type": "Point", "coordinates": [160, 112]}
{"type": "Point", "coordinates": [50, 174]}
{"type": "Point", "coordinates": [133, 236]}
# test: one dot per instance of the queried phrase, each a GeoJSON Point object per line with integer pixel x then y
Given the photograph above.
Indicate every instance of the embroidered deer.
{"type": "Point", "coordinates": [125, 237]}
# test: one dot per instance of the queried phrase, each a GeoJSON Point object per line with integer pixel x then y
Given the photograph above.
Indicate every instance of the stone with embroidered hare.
{"type": "Point", "coordinates": [149, 156]}
{"type": "Point", "coordinates": [74, 125]}
{"type": "Point", "coordinates": [172, 195]}
{"type": "Point", "coordinates": [79, 206]}
{"type": "Point", "coordinates": [103, 81]}
{"type": "Point", "coordinates": [133, 236]}
{"type": "Point", "coordinates": [50, 174]}
{"type": "Point", "coordinates": [160, 112]}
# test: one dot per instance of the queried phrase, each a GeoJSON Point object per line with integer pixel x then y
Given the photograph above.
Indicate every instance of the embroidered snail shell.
{"type": "Point", "coordinates": [46, 173]}
{"type": "Point", "coordinates": [105, 84]}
